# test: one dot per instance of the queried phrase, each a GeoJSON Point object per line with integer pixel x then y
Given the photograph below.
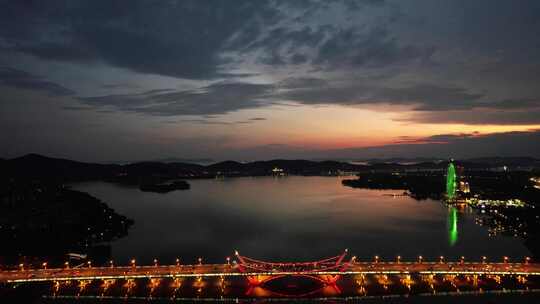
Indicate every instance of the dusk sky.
{"type": "Point", "coordinates": [244, 80]}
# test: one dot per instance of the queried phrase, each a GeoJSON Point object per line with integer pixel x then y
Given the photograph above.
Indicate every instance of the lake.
{"type": "Point", "coordinates": [292, 219]}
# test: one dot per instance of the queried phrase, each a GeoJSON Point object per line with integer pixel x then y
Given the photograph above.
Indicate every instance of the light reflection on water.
{"type": "Point", "coordinates": [453, 226]}
{"type": "Point", "coordinates": [291, 218]}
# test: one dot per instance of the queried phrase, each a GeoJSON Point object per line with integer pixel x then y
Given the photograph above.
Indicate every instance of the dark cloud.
{"type": "Point", "coordinates": [188, 38]}
{"type": "Point", "coordinates": [209, 121]}
{"type": "Point", "coordinates": [440, 138]}
{"type": "Point", "coordinates": [302, 83]}
{"type": "Point", "coordinates": [525, 143]}
{"type": "Point", "coordinates": [431, 103]}
{"type": "Point", "coordinates": [425, 97]}
{"type": "Point", "coordinates": [282, 45]}
{"type": "Point", "coordinates": [218, 98]}
{"type": "Point", "coordinates": [376, 48]}
{"type": "Point", "coordinates": [23, 80]}
{"type": "Point", "coordinates": [479, 117]}
{"type": "Point", "coordinates": [462, 146]}
{"type": "Point", "coordinates": [523, 103]}
{"type": "Point", "coordinates": [176, 38]}
{"type": "Point", "coordinates": [432, 97]}
{"type": "Point", "coordinates": [120, 86]}
{"type": "Point", "coordinates": [488, 25]}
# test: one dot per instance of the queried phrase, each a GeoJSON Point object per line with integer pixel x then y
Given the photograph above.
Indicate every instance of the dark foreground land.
{"type": "Point", "coordinates": [41, 221]}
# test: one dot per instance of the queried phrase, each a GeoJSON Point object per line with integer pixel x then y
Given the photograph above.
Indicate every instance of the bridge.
{"type": "Point", "coordinates": [257, 272]}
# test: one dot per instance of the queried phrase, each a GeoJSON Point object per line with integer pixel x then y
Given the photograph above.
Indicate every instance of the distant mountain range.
{"type": "Point", "coordinates": [42, 167]}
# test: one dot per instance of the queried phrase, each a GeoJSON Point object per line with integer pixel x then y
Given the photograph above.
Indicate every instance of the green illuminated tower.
{"type": "Point", "coordinates": [451, 182]}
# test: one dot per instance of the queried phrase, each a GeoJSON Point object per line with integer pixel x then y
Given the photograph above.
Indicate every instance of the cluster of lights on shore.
{"type": "Point", "coordinates": [536, 181]}
{"type": "Point", "coordinates": [376, 259]}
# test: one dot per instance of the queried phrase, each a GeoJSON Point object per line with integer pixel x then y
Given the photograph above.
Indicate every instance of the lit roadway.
{"type": "Point", "coordinates": [229, 270]}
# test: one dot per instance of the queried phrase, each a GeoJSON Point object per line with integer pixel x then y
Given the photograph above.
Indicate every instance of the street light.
{"type": "Point", "coordinates": [67, 265]}
{"type": "Point", "coordinates": [44, 265]}
{"type": "Point", "coordinates": [133, 263]}
{"type": "Point", "coordinates": [228, 260]}
{"type": "Point", "coordinates": [505, 259]}
{"type": "Point", "coordinates": [398, 258]}
{"type": "Point", "coordinates": [462, 259]}
{"type": "Point", "coordinates": [111, 262]}
{"type": "Point", "coordinates": [21, 265]}
{"type": "Point", "coordinates": [155, 262]}
{"type": "Point", "coordinates": [177, 262]}
{"type": "Point", "coordinates": [484, 258]}
{"type": "Point", "coordinates": [89, 264]}
{"type": "Point", "coordinates": [200, 261]}
{"type": "Point", "coordinates": [527, 260]}
{"type": "Point", "coordinates": [420, 258]}
{"type": "Point", "coordinates": [441, 259]}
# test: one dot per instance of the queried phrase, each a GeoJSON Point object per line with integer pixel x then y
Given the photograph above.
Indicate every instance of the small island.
{"type": "Point", "coordinates": [165, 187]}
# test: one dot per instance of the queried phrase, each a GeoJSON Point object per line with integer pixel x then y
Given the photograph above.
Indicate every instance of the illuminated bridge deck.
{"type": "Point", "coordinates": [230, 270]}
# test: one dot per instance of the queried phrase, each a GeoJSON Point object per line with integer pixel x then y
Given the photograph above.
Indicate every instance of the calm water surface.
{"type": "Point", "coordinates": [292, 218]}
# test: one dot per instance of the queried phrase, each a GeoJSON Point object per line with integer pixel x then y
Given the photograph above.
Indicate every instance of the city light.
{"type": "Point", "coordinates": [490, 203]}
{"type": "Point", "coordinates": [536, 181]}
